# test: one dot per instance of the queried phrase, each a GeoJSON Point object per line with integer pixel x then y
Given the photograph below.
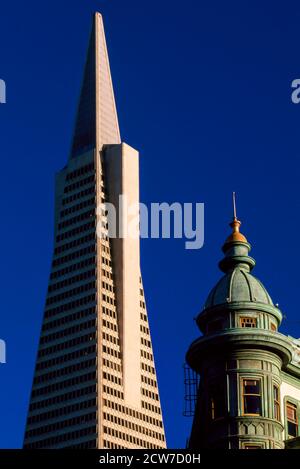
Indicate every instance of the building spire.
{"type": "Point", "coordinates": [234, 206]}
{"type": "Point", "coordinates": [97, 120]}
{"type": "Point", "coordinates": [236, 247]}
{"type": "Point", "coordinates": [235, 225]}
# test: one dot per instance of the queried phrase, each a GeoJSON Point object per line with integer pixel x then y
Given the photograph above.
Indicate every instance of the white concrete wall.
{"type": "Point", "coordinates": [122, 178]}
{"type": "Point", "coordinates": [287, 390]}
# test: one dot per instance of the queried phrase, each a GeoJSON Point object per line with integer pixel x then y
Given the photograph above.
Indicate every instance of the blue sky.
{"type": "Point", "coordinates": [203, 92]}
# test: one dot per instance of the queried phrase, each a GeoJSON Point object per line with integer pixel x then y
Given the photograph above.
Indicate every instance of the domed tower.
{"type": "Point", "coordinates": [239, 358]}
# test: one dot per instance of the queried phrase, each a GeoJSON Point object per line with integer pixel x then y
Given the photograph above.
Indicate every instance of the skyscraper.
{"type": "Point", "coordinates": [95, 382]}
{"type": "Point", "coordinates": [249, 392]}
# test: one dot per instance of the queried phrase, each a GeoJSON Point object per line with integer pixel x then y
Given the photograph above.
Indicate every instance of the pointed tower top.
{"type": "Point", "coordinates": [96, 121]}
{"type": "Point", "coordinates": [235, 225]}
{"type": "Point", "coordinates": [234, 206]}
{"type": "Point", "coordinates": [236, 247]}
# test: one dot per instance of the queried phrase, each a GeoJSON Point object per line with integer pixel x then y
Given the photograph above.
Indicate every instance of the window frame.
{"type": "Point", "coordinates": [251, 446]}
{"type": "Point", "coordinates": [250, 319]}
{"type": "Point", "coordinates": [242, 387]}
{"type": "Point", "coordinates": [292, 402]}
{"type": "Point", "coordinates": [276, 403]}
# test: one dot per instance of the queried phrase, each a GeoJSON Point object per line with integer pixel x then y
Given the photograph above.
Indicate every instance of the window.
{"type": "Point", "coordinates": [273, 327]}
{"type": "Point", "coordinates": [217, 401]}
{"type": "Point", "coordinates": [276, 402]}
{"type": "Point", "coordinates": [250, 446]}
{"type": "Point", "coordinates": [248, 322]}
{"type": "Point", "coordinates": [251, 397]}
{"type": "Point", "coordinates": [292, 419]}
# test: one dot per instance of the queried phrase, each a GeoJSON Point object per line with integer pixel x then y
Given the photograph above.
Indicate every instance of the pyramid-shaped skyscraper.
{"type": "Point", "coordinates": [95, 382]}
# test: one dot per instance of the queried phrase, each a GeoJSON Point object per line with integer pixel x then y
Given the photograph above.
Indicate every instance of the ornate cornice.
{"type": "Point", "coordinates": [239, 338]}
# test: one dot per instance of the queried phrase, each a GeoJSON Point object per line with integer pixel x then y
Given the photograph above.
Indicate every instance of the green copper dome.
{"type": "Point", "coordinates": [238, 284]}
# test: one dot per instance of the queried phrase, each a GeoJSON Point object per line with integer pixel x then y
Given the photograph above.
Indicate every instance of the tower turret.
{"type": "Point", "coordinates": [239, 358]}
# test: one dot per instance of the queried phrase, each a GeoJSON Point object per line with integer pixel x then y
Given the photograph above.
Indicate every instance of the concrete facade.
{"type": "Point", "coordinates": [95, 382]}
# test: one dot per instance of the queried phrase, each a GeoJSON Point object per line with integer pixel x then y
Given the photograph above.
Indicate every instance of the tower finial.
{"type": "Point", "coordinates": [236, 247]}
{"type": "Point", "coordinates": [235, 225]}
{"type": "Point", "coordinates": [234, 206]}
